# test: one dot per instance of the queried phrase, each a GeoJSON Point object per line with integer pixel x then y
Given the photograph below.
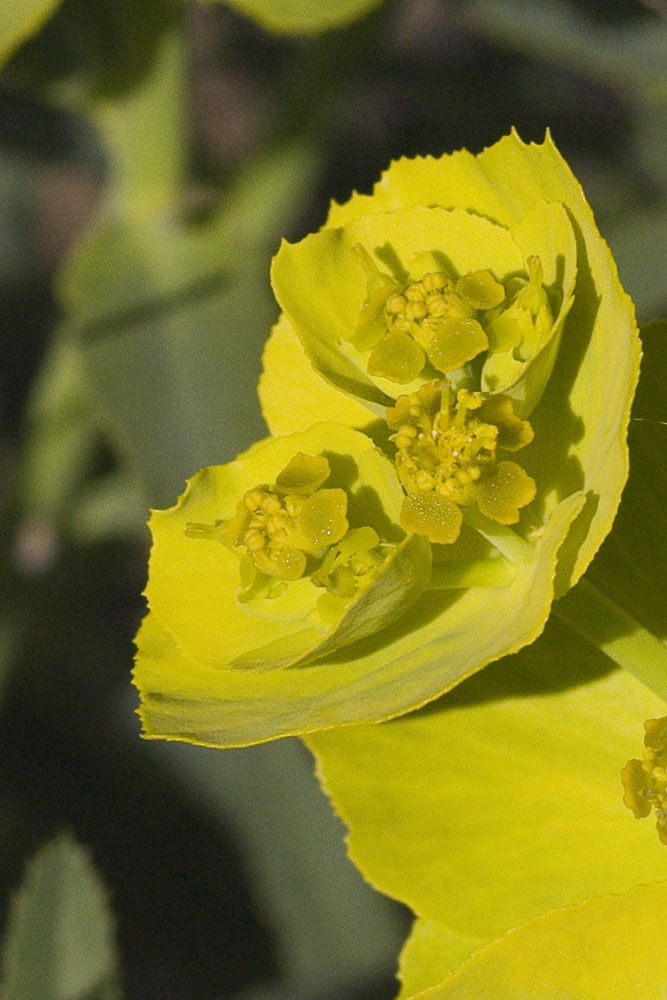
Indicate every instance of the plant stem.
{"type": "Point", "coordinates": [512, 546]}
{"type": "Point", "coordinates": [597, 618]}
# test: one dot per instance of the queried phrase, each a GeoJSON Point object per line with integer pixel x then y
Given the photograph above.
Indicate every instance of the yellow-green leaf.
{"type": "Point", "coordinates": [503, 799]}
{"type": "Point", "coordinates": [311, 398]}
{"type": "Point", "coordinates": [322, 288]}
{"type": "Point", "coordinates": [443, 638]}
{"type": "Point", "coordinates": [582, 416]}
{"type": "Point", "coordinates": [429, 954]}
{"type": "Point", "coordinates": [196, 577]}
{"type": "Point", "coordinates": [606, 947]}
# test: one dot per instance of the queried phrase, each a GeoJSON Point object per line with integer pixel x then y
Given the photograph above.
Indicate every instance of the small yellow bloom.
{"type": "Point", "coordinates": [465, 316]}
{"type": "Point", "coordinates": [645, 781]}
{"type": "Point", "coordinates": [446, 456]}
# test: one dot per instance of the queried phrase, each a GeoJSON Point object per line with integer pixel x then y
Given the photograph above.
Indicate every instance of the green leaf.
{"type": "Point", "coordinates": [297, 17]}
{"type": "Point", "coordinates": [19, 19]}
{"type": "Point", "coordinates": [59, 943]}
{"type": "Point", "coordinates": [503, 799]}
{"type": "Point", "coordinates": [170, 323]}
{"type": "Point", "coordinates": [604, 947]}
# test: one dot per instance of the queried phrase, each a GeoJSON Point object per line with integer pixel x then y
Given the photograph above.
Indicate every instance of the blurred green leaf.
{"type": "Point", "coordinates": [102, 48]}
{"type": "Point", "coordinates": [60, 435]}
{"type": "Point", "coordinates": [333, 931]}
{"type": "Point", "coordinates": [637, 240]}
{"type": "Point", "coordinates": [632, 55]}
{"type": "Point", "coordinates": [171, 314]}
{"type": "Point", "coordinates": [630, 566]}
{"type": "Point", "coordinates": [59, 943]}
{"type": "Point", "coordinates": [19, 19]}
{"type": "Point", "coordinates": [172, 317]}
{"type": "Point", "coordinates": [299, 17]}
{"type": "Point", "coordinates": [113, 505]}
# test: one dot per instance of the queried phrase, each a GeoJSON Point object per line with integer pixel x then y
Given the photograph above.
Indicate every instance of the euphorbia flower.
{"type": "Point", "coordinates": [468, 316]}
{"type": "Point", "coordinates": [493, 268]}
{"type": "Point", "coordinates": [285, 554]}
{"type": "Point", "coordinates": [645, 781]}
{"type": "Point", "coordinates": [446, 459]}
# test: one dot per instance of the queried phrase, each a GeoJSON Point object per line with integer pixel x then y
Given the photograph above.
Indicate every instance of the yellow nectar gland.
{"type": "Point", "coordinates": [446, 457]}
{"type": "Point", "coordinates": [645, 781]}
{"type": "Point", "coordinates": [293, 529]}
{"type": "Point", "coordinates": [432, 318]}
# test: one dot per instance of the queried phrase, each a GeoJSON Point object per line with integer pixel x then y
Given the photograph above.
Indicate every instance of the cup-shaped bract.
{"type": "Point", "coordinates": [285, 554]}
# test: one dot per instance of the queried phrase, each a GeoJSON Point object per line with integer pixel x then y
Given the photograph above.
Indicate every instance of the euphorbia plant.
{"type": "Point", "coordinates": [466, 317]}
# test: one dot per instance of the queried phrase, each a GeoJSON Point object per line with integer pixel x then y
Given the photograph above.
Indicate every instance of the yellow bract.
{"type": "Point", "coordinates": [488, 270]}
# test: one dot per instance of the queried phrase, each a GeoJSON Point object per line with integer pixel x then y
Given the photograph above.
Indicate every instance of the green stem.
{"type": "Point", "coordinates": [144, 134]}
{"type": "Point", "coordinates": [593, 615]}
{"type": "Point", "coordinates": [512, 546]}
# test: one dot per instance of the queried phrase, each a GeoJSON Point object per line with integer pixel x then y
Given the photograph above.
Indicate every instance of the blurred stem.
{"type": "Point", "coordinates": [143, 131]}
{"type": "Point", "coordinates": [591, 614]}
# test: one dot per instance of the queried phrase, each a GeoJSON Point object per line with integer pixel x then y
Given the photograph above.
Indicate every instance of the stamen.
{"type": "Point", "coordinates": [433, 317]}
{"type": "Point", "coordinates": [446, 459]}
{"type": "Point", "coordinates": [294, 529]}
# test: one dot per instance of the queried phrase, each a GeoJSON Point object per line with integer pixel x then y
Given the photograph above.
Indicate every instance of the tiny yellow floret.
{"type": "Point", "coordinates": [645, 781]}
{"type": "Point", "coordinates": [446, 457]}
{"type": "Point", "coordinates": [433, 319]}
{"type": "Point", "coordinates": [294, 529]}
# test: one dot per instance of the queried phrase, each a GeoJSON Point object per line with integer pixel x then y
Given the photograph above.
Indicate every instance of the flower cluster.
{"type": "Point", "coordinates": [645, 781]}
{"type": "Point", "coordinates": [446, 341]}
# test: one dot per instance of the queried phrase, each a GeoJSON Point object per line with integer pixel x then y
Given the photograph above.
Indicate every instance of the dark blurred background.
{"type": "Point", "coordinates": [152, 155]}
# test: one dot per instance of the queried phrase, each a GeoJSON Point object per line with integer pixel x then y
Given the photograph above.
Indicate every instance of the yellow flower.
{"type": "Point", "coordinates": [446, 459]}
{"type": "Point", "coordinates": [468, 317]}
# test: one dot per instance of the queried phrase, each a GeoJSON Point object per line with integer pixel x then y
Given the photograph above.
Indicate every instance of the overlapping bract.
{"type": "Point", "coordinates": [468, 317]}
